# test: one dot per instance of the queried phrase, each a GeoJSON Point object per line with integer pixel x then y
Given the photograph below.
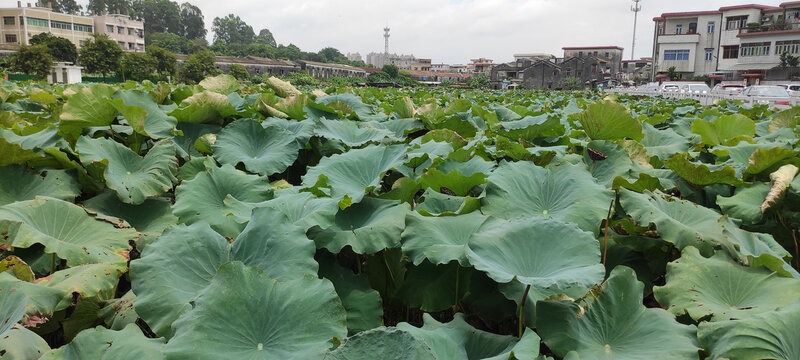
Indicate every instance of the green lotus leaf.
{"type": "Point", "coordinates": [459, 340]}
{"type": "Point", "coordinates": [29, 148]}
{"type": "Point", "coordinates": [361, 302]}
{"type": "Point", "coordinates": [720, 288]}
{"type": "Point", "coordinates": [404, 108]}
{"type": "Point", "coordinates": [454, 181]}
{"type": "Point", "coordinates": [702, 174]}
{"type": "Point", "coordinates": [532, 127]}
{"type": "Point", "coordinates": [442, 239]}
{"type": "Point", "coordinates": [101, 343]}
{"type": "Point", "coordinates": [258, 328]}
{"type": "Point", "coordinates": [19, 184]}
{"type": "Point", "coordinates": [149, 218]}
{"type": "Point", "coordinates": [644, 182]}
{"type": "Point", "coordinates": [768, 159]}
{"type": "Point", "coordinates": [349, 132]}
{"type": "Point", "coordinates": [382, 343]}
{"type": "Point", "coordinates": [282, 88]}
{"type": "Point", "coordinates": [18, 267]}
{"type": "Point", "coordinates": [445, 135]}
{"type": "Point", "coordinates": [223, 84]}
{"type": "Point", "coordinates": [12, 308]}
{"type": "Point", "coordinates": [203, 198]}
{"type": "Point", "coordinates": [39, 298]}
{"type": "Point", "coordinates": [265, 151]}
{"type": "Point", "coordinates": [204, 107]}
{"type": "Point", "coordinates": [565, 193]}
{"type": "Point", "coordinates": [756, 250]}
{"type": "Point", "coordinates": [67, 231]}
{"type": "Point", "coordinates": [680, 222]}
{"type": "Point", "coordinates": [785, 119]}
{"type": "Point", "coordinates": [725, 130]}
{"type": "Point", "coordinates": [119, 313]}
{"type": "Point", "coordinates": [614, 325]}
{"type": "Point", "coordinates": [23, 344]}
{"type": "Point", "coordinates": [434, 288]}
{"type": "Point", "coordinates": [745, 204]}
{"type": "Point", "coordinates": [190, 133]}
{"type": "Point", "coordinates": [293, 106]}
{"type": "Point", "coordinates": [770, 335]}
{"type": "Point", "coordinates": [608, 120]}
{"type": "Point", "coordinates": [741, 152]}
{"type": "Point", "coordinates": [355, 172]}
{"type": "Point", "coordinates": [304, 209]}
{"type": "Point", "coordinates": [132, 177]}
{"type": "Point", "coordinates": [164, 286]}
{"type": "Point", "coordinates": [89, 280]}
{"type": "Point", "coordinates": [468, 168]}
{"type": "Point", "coordinates": [368, 227]}
{"type": "Point", "coordinates": [143, 114]}
{"type": "Point", "coordinates": [617, 162]}
{"type": "Point", "coordinates": [90, 106]}
{"type": "Point", "coordinates": [663, 143]}
{"type": "Point", "coordinates": [11, 153]}
{"type": "Point", "coordinates": [434, 203]}
{"type": "Point", "coordinates": [529, 249]}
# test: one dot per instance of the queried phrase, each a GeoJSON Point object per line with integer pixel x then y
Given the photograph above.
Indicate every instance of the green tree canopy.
{"type": "Point", "coordinates": [100, 55]}
{"type": "Point", "coordinates": [61, 48]}
{"type": "Point", "coordinates": [65, 6]}
{"type": "Point", "coordinates": [198, 66]}
{"type": "Point", "coordinates": [137, 66]}
{"type": "Point", "coordinates": [332, 55]}
{"type": "Point", "coordinates": [192, 24]}
{"type": "Point", "coordinates": [33, 60]}
{"type": "Point", "coordinates": [265, 37]}
{"type": "Point", "coordinates": [158, 15]}
{"type": "Point", "coordinates": [101, 7]}
{"type": "Point", "coordinates": [165, 61]}
{"type": "Point", "coordinates": [231, 29]}
{"type": "Point", "coordinates": [239, 72]}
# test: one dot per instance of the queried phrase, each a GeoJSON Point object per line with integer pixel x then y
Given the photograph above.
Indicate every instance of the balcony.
{"type": "Point", "coordinates": [770, 29]}
{"type": "Point", "coordinates": [679, 38]}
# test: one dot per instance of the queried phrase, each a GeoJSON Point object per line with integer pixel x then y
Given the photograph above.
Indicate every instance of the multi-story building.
{"type": "Point", "coordinates": [21, 23]}
{"type": "Point", "coordinates": [422, 65]}
{"type": "Point", "coordinates": [534, 57]}
{"type": "Point", "coordinates": [354, 57]}
{"type": "Point", "coordinates": [403, 62]}
{"type": "Point", "coordinates": [611, 54]}
{"type": "Point", "coordinates": [482, 65]}
{"type": "Point", "coordinates": [440, 67]}
{"type": "Point", "coordinates": [128, 33]}
{"type": "Point", "coordinates": [732, 43]}
{"type": "Point", "coordinates": [636, 69]}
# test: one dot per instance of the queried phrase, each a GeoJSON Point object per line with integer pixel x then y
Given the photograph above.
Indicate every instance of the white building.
{"type": "Point", "coordinates": [128, 33]}
{"type": "Point", "coordinates": [354, 57]}
{"type": "Point", "coordinates": [65, 73]}
{"type": "Point", "coordinates": [733, 42]}
{"type": "Point", "coordinates": [403, 62]}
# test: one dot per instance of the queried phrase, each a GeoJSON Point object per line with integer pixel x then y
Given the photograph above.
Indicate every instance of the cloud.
{"type": "Point", "coordinates": [454, 31]}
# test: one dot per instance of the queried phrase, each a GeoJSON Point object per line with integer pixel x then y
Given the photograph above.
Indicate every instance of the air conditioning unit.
{"type": "Point", "coordinates": [766, 19]}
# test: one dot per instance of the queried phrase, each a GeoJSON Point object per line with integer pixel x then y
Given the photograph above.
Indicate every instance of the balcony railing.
{"type": "Point", "coordinates": [767, 28]}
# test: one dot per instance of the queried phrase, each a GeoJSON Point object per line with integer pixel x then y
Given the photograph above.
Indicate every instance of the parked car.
{"type": "Point", "coordinates": [728, 89]}
{"type": "Point", "coordinates": [792, 89]}
{"type": "Point", "coordinates": [769, 95]}
{"type": "Point", "coordinates": [669, 87]}
{"type": "Point", "coordinates": [695, 89]}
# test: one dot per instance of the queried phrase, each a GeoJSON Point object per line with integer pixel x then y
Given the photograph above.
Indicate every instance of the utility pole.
{"type": "Point", "coordinates": [636, 7]}
{"type": "Point", "coordinates": [386, 38]}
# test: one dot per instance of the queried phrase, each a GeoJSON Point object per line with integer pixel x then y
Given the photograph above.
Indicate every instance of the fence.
{"type": "Point", "coordinates": [710, 99]}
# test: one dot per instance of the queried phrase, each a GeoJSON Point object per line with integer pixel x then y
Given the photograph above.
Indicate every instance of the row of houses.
{"type": "Point", "coordinates": [258, 66]}
{"type": "Point", "coordinates": [742, 42]}
{"type": "Point", "coordinates": [20, 24]}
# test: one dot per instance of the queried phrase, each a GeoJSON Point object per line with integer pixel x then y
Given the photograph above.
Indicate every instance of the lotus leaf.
{"type": "Point", "coordinates": [262, 150]}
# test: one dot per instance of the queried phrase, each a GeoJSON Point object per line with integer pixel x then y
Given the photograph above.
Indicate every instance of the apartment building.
{"type": "Point", "coordinates": [731, 43]}
{"type": "Point", "coordinates": [21, 23]}
{"type": "Point", "coordinates": [128, 33]}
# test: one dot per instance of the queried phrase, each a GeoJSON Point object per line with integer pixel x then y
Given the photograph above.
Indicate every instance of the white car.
{"type": "Point", "coordinates": [695, 89]}
{"type": "Point", "coordinates": [728, 89]}
{"type": "Point", "coordinates": [669, 87]}
{"type": "Point", "coordinates": [772, 95]}
{"type": "Point", "coordinates": [792, 89]}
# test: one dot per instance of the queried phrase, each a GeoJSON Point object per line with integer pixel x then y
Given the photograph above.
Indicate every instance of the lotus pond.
{"type": "Point", "coordinates": [229, 221]}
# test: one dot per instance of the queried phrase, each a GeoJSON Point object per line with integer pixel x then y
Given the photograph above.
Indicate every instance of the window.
{"type": "Point", "coordinates": [139, 33]}
{"type": "Point", "coordinates": [8, 20]}
{"type": "Point", "coordinates": [83, 27]}
{"type": "Point", "coordinates": [110, 29]}
{"type": "Point", "coordinates": [580, 53]}
{"type": "Point", "coordinates": [38, 22]}
{"type": "Point", "coordinates": [678, 29]}
{"type": "Point", "coordinates": [678, 55]}
{"type": "Point", "coordinates": [60, 25]}
{"type": "Point", "coordinates": [660, 30]}
{"type": "Point", "coordinates": [730, 52]}
{"type": "Point", "coordinates": [709, 54]}
{"type": "Point", "coordinates": [130, 31]}
{"type": "Point", "coordinates": [692, 28]}
{"type": "Point", "coordinates": [711, 27]}
{"type": "Point", "coordinates": [131, 46]}
{"type": "Point", "coordinates": [120, 30]}
{"type": "Point", "coordinates": [121, 44]}
{"type": "Point", "coordinates": [735, 22]}
{"type": "Point", "coordinates": [754, 49]}
{"type": "Point", "coordinates": [10, 38]}
{"type": "Point", "coordinates": [789, 46]}
{"type": "Point", "coordinates": [139, 47]}
{"type": "Point", "coordinates": [607, 55]}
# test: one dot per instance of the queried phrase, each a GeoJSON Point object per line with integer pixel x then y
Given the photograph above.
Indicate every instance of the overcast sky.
{"type": "Point", "coordinates": [454, 31]}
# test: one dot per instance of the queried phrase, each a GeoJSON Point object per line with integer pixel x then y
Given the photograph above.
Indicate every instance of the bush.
{"type": "Point", "coordinates": [239, 72]}
{"type": "Point", "coordinates": [101, 55]}
{"type": "Point", "coordinates": [301, 79]}
{"type": "Point", "coordinates": [478, 81]}
{"type": "Point", "coordinates": [166, 62]}
{"type": "Point", "coordinates": [198, 66]}
{"type": "Point", "coordinates": [32, 60]}
{"type": "Point", "coordinates": [137, 66]}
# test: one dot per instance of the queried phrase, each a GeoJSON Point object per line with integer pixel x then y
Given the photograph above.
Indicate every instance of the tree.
{"type": "Point", "coordinates": [332, 55]}
{"type": "Point", "coordinates": [65, 6]}
{"type": "Point", "coordinates": [165, 61]}
{"type": "Point", "coordinates": [672, 73]}
{"type": "Point", "coordinates": [239, 72]}
{"type": "Point", "coordinates": [478, 81]}
{"type": "Point", "coordinates": [172, 42]}
{"type": "Point", "coordinates": [101, 7]}
{"type": "Point", "coordinates": [572, 83]}
{"type": "Point", "coordinates": [391, 70]}
{"type": "Point", "coordinates": [290, 52]}
{"type": "Point", "coordinates": [265, 37]}
{"type": "Point", "coordinates": [61, 48]}
{"type": "Point", "coordinates": [231, 29]}
{"type": "Point", "coordinates": [32, 60]}
{"type": "Point", "coordinates": [100, 55]}
{"type": "Point", "coordinates": [158, 15]}
{"type": "Point", "coordinates": [137, 66]}
{"type": "Point", "coordinates": [192, 24]}
{"type": "Point", "coordinates": [198, 66]}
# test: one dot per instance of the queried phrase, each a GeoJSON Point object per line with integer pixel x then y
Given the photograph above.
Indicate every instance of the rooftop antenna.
{"type": "Point", "coordinates": [386, 38]}
{"type": "Point", "coordinates": [636, 7]}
